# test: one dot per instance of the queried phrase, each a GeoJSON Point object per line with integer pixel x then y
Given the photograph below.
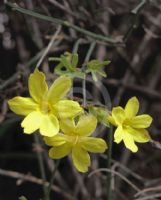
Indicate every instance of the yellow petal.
{"type": "Point", "coordinates": [67, 126]}
{"type": "Point", "coordinates": [111, 120]}
{"type": "Point", "coordinates": [67, 108]}
{"type": "Point", "coordinates": [59, 89]}
{"type": "Point", "coordinates": [22, 105]}
{"type": "Point", "coordinates": [129, 142]}
{"type": "Point", "coordinates": [94, 145]}
{"type": "Point", "coordinates": [49, 125]}
{"type": "Point", "coordinates": [60, 151]}
{"type": "Point", "coordinates": [86, 125]}
{"type": "Point", "coordinates": [57, 140]}
{"type": "Point", "coordinates": [132, 107]}
{"type": "Point", "coordinates": [118, 115]}
{"type": "Point", "coordinates": [119, 134]}
{"type": "Point", "coordinates": [37, 85]}
{"type": "Point", "coordinates": [139, 135]}
{"type": "Point", "coordinates": [141, 121]}
{"type": "Point", "coordinates": [81, 159]}
{"type": "Point", "coordinates": [32, 122]}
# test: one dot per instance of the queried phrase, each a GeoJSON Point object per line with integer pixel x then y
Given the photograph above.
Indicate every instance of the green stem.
{"type": "Point", "coordinates": [109, 160]}
{"type": "Point", "coordinates": [53, 177]}
{"type": "Point", "coordinates": [91, 48]}
{"type": "Point", "coordinates": [42, 168]}
{"type": "Point", "coordinates": [76, 45]}
{"type": "Point", "coordinates": [15, 7]}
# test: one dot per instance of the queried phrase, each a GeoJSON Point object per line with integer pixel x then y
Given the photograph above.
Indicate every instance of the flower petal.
{"type": "Point", "coordinates": [129, 142]}
{"type": "Point", "coordinates": [81, 159]}
{"type": "Point", "coordinates": [57, 140]}
{"type": "Point", "coordinates": [60, 151]}
{"type": "Point", "coordinates": [119, 134]}
{"type": "Point", "coordinates": [37, 85]}
{"type": "Point", "coordinates": [22, 105]}
{"type": "Point", "coordinates": [67, 126]}
{"type": "Point", "coordinates": [67, 108]}
{"type": "Point", "coordinates": [118, 115]}
{"type": "Point", "coordinates": [141, 121]}
{"type": "Point", "coordinates": [49, 125]}
{"type": "Point", "coordinates": [59, 89]}
{"type": "Point", "coordinates": [132, 107]}
{"type": "Point", "coordinates": [86, 125]}
{"type": "Point", "coordinates": [139, 135]}
{"type": "Point", "coordinates": [32, 122]}
{"type": "Point", "coordinates": [94, 145]}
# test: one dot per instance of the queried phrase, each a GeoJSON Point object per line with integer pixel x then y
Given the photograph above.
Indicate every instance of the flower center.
{"type": "Point", "coordinates": [73, 139]}
{"type": "Point", "coordinates": [45, 107]}
{"type": "Point", "coordinates": [126, 122]}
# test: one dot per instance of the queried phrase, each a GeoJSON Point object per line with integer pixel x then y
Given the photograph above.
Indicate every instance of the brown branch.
{"type": "Point", "coordinates": [27, 177]}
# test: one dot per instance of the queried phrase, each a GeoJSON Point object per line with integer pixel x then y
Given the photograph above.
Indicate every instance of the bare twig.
{"type": "Point", "coordinates": [49, 46]}
{"type": "Point", "coordinates": [149, 197]}
{"type": "Point", "coordinates": [62, 7]}
{"type": "Point", "coordinates": [63, 23]}
{"type": "Point", "coordinates": [151, 189]}
{"type": "Point", "coordinates": [33, 179]}
{"type": "Point", "coordinates": [116, 173]}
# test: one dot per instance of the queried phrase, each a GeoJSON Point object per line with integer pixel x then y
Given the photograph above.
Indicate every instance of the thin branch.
{"type": "Point", "coordinates": [53, 177]}
{"type": "Point", "coordinates": [135, 12]}
{"type": "Point", "coordinates": [41, 166]}
{"type": "Point", "coordinates": [49, 46]}
{"type": "Point", "coordinates": [91, 48]}
{"type": "Point", "coordinates": [63, 23]}
{"type": "Point", "coordinates": [33, 179]}
{"type": "Point", "coordinates": [149, 197]}
{"type": "Point", "coordinates": [151, 189]}
{"type": "Point", "coordinates": [11, 80]}
{"type": "Point", "coordinates": [62, 7]}
{"type": "Point", "coordinates": [118, 174]}
{"type": "Point", "coordinates": [109, 159]}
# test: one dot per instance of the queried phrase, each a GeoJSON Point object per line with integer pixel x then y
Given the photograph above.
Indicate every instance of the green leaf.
{"type": "Point", "coordinates": [68, 66]}
{"type": "Point", "coordinates": [22, 198]}
{"type": "Point", "coordinates": [65, 61]}
{"type": "Point", "coordinates": [101, 114]}
{"type": "Point", "coordinates": [54, 59]}
{"type": "Point", "coordinates": [96, 64]}
{"type": "Point", "coordinates": [94, 76]}
{"type": "Point", "coordinates": [102, 73]}
{"type": "Point", "coordinates": [74, 60]}
{"type": "Point", "coordinates": [96, 67]}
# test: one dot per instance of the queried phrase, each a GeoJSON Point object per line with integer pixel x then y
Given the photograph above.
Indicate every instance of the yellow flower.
{"type": "Point", "coordinates": [45, 106]}
{"type": "Point", "coordinates": [130, 128]}
{"type": "Point", "coordinates": [76, 141]}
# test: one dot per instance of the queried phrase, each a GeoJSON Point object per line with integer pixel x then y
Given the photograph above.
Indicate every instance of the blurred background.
{"type": "Point", "coordinates": [128, 33]}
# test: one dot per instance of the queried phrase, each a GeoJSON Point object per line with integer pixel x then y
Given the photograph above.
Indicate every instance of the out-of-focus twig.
{"type": "Point", "coordinates": [117, 174]}
{"type": "Point", "coordinates": [149, 197]}
{"type": "Point", "coordinates": [62, 7]}
{"type": "Point", "coordinates": [33, 179]}
{"type": "Point", "coordinates": [109, 159]}
{"type": "Point", "coordinates": [10, 80]}
{"type": "Point", "coordinates": [41, 166]}
{"type": "Point", "coordinates": [49, 46]}
{"type": "Point", "coordinates": [135, 16]}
